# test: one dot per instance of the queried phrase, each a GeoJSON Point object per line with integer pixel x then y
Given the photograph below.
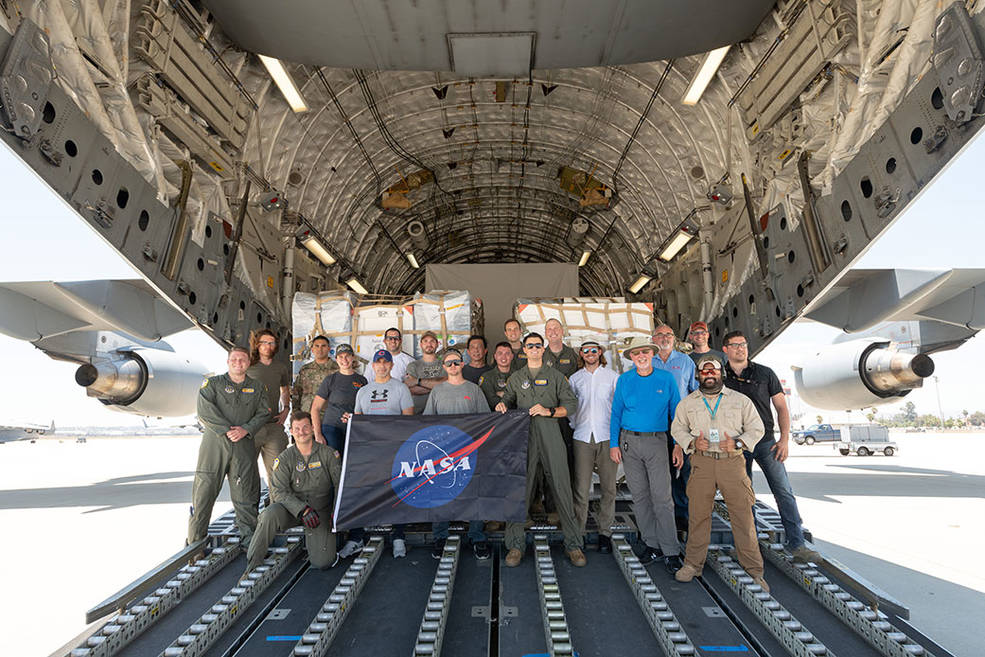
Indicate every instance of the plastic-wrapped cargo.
{"type": "Point", "coordinates": [361, 320]}
{"type": "Point", "coordinates": [610, 321]}
{"type": "Point", "coordinates": [324, 313]}
{"type": "Point", "coordinates": [453, 315]}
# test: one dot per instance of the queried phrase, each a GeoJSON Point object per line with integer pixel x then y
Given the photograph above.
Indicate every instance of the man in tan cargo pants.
{"type": "Point", "coordinates": [715, 425]}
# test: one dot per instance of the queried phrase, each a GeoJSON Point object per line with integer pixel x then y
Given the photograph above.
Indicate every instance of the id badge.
{"type": "Point", "coordinates": [713, 437]}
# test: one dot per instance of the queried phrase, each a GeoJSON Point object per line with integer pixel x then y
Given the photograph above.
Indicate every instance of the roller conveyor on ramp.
{"type": "Point", "coordinates": [374, 604]}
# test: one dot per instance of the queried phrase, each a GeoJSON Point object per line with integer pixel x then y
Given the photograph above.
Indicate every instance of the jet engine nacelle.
{"type": "Point", "coordinates": [148, 382]}
{"type": "Point", "coordinates": [859, 374]}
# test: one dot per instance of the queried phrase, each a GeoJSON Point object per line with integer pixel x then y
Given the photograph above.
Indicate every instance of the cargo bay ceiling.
{"type": "Point", "coordinates": [514, 131]}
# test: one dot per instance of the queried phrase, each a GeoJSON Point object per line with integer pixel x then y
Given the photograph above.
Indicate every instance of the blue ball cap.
{"type": "Point", "coordinates": [383, 354]}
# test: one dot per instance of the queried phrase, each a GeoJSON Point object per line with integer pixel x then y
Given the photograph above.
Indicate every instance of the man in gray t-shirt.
{"type": "Point", "coordinates": [381, 396]}
{"type": "Point", "coordinates": [456, 396]}
{"type": "Point", "coordinates": [424, 373]}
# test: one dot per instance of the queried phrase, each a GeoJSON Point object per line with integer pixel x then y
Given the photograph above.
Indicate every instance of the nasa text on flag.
{"type": "Point", "coordinates": [429, 468]}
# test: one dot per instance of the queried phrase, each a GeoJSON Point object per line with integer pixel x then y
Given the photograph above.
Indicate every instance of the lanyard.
{"type": "Point", "coordinates": [718, 401]}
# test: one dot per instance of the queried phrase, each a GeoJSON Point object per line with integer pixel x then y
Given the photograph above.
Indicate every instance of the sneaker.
{"type": "Point", "coordinates": [577, 558]}
{"type": "Point", "coordinates": [804, 554]}
{"type": "Point", "coordinates": [686, 573]}
{"type": "Point", "coordinates": [762, 583]}
{"type": "Point", "coordinates": [513, 558]}
{"type": "Point", "coordinates": [438, 548]}
{"type": "Point", "coordinates": [650, 555]}
{"type": "Point", "coordinates": [481, 550]}
{"type": "Point", "coordinates": [605, 544]}
{"type": "Point", "coordinates": [673, 563]}
{"type": "Point", "coordinates": [350, 548]}
{"type": "Point", "coordinates": [399, 548]}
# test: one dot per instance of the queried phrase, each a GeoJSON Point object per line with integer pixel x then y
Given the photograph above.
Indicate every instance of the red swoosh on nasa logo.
{"type": "Point", "coordinates": [458, 455]}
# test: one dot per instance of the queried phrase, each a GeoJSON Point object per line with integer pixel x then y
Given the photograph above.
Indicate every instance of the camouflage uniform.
{"type": "Point", "coordinates": [301, 482]}
{"type": "Point", "coordinates": [223, 403]}
{"type": "Point", "coordinates": [306, 384]}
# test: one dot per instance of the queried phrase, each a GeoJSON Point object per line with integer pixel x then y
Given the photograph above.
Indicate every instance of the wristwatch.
{"type": "Point", "coordinates": [738, 444]}
{"type": "Point", "coordinates": [553, 410]}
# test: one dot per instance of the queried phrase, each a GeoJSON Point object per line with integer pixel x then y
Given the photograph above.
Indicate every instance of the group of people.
{"type": "Point", "coordinates": [682, 425]}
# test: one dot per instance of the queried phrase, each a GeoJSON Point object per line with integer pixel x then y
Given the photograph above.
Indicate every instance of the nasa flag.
{"type": "Point", "coordinates": [430, 468]}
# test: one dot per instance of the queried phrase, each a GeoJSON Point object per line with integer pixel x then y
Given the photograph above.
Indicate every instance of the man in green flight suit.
{"type": "Point", "coordinates": [306, 477]}
{"type": "Point", "coordinates": [232, 407]}
{"type": "Point", "coordinates": [545, 393]}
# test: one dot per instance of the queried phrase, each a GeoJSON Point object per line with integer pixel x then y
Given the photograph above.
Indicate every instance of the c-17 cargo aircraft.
{"type": "Point", "coordinates": [11, 431]}
{"type": "Point", "coordinates": [724, 161]}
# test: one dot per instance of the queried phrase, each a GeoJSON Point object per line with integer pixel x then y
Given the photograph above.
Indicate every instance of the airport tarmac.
{"type": "Point", "coordinates": [82, 520]}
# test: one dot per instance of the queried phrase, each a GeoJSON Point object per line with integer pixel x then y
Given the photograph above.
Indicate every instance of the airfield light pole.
{"type": "Point", "coordinates": [940, 411]}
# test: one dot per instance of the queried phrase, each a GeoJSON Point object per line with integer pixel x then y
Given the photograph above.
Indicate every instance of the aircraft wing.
{"type": "Point", "coordinates": [864, 298]}
{"type": "Point", "coordinates": [35, 310]}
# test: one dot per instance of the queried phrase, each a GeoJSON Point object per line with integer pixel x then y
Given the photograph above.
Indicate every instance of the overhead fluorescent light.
{"type": "Point", "coordinates": [640, 283]}
{"type": "Point", "coordinates": [584, 258]}
{"type": "Point", "coordinates": [356, 286]}
{"type": "Point", "coordinates": [680, 238]}
{"type": "Point", "coordinates": [285, 83]}
{"type": "Point", "coordinates": [412, 260]}
{"type": "Point", "coordinates": [704, 76]}
{"type": "Point", "coordinates": [317, 249]}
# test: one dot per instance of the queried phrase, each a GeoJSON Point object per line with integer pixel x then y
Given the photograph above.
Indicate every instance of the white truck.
{"type": "Point", "coordinates": [865, 440]}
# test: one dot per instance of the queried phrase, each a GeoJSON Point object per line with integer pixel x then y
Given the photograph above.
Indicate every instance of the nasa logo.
{"type": "Point", "coordinates": [434, 466]}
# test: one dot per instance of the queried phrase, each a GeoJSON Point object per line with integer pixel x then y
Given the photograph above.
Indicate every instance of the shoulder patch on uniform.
{"type": "Point", "coordinates": [205, 383]}
{"type": "Point", "coordinates": [276, 463]}
{"type": "Point", "coordinates": [481, 379]}
{"type": "Point", "coordinates": [540, 382]}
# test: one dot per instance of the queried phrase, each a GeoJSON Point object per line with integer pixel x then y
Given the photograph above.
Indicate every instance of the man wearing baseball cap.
{"type": "Point", "coordinates": [381, 396]}
{"type": "Point", "coordinates": [717, 425]}
{"type": "Point", "coordinates": [643, 406]}
{"type": "Point", "coordinates": [698, 335]}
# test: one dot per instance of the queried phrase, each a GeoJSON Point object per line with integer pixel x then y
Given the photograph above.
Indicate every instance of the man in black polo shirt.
{"type": "Point", "coordinates": [762, 386]}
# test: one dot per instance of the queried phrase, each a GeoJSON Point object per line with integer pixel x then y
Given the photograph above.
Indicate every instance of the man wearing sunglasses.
{"type": "Point", "coordinates": [698, 335]}
{"type": "Point", "coordinates": [762, 386]}
{"type": "Point", "coordinates": [717, 426]}
{"type": "Point", "coordinates": [594, 385]}
{"type": "Point", "coordinates": [457, 396]}
{"type": "Point", "coordinates": [545, 394]}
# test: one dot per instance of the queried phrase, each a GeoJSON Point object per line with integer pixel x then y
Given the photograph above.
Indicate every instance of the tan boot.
{"type": "Point", "coordinates": [687, 573]}
{"type": "Point", "coordinates": [577, 558]}
{"type": "Point", "coordinates": [513, 558]}
{"type": "Point", "coordinates": [762, 583]}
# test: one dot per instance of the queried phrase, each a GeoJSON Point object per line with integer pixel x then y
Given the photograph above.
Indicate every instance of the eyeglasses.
{"type": "Point", "coordinates": [699, 332]}
{"type": "Point", "coordinates": [267, 342]}
{"type": "Point", "coordinates": [533, 346]}
{"type": "Point", "coordinates": [452, 363]}
{"type": "Point", "coordinates": [737, 345]}
{"type": "Point", "coordinates": [392, 337]}
{"type": "Point", "coordinates": [663, 335]}
{"type": "Point", "coordinates": [590, 350]}
{"type": "Point", "coordinates": [709, 369]}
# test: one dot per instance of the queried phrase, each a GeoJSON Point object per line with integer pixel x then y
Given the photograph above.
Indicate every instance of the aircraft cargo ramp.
{"type": "Point", "coordinates": [458, 606]}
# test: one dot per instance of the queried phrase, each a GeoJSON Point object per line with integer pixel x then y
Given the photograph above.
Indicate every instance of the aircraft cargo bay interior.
{"type": "Point", "coordinates": [681, 165]}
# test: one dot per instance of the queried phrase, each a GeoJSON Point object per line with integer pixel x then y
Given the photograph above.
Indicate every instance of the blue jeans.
{"type": "Point", "coordinates": [776, 476]}
{"type": "Point", "coordinates": [476, 535]}
{"type": "Point", "coordinates": [334, 436]}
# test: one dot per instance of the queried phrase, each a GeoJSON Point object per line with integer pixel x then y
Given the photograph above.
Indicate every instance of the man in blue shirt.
{"type": "Point", "coordinates": [681, 366]}
{"type": "Point", "coordinates": [642, 409]}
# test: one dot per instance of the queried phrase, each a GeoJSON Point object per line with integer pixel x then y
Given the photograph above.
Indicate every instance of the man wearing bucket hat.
{"type": "Point", "coordinates": [717, 426]}
{"type": "Point", "coordinates": [643, 407]}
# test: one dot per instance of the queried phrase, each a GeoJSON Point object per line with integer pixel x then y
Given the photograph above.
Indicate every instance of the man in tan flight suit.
{"type": "Point", "coordinates": [306, 478]}
{"type": "Point", "coordinates": [232, 407]}
{"type": "Point", "coordinates": [716, 425]}
{"type": "Point", "coordinates": [545, 394]}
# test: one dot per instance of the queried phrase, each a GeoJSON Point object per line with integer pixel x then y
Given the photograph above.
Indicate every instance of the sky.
{"type": "Point", "coordinates": [44, 239]}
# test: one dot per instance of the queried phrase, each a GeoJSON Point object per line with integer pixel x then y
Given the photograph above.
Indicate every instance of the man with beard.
{"type": "Point", "coordinates": [271, 440]}
{"type": "Point", "coordinates": [717, 426]}
{"type": "Point", "coordinates": [698, 335]}
{"type": "Point", "coordinates": [424, 373]}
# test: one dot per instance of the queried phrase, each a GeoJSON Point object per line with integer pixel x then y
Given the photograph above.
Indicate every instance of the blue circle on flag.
{"type": "Point", "coordinates": [433, 466]}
